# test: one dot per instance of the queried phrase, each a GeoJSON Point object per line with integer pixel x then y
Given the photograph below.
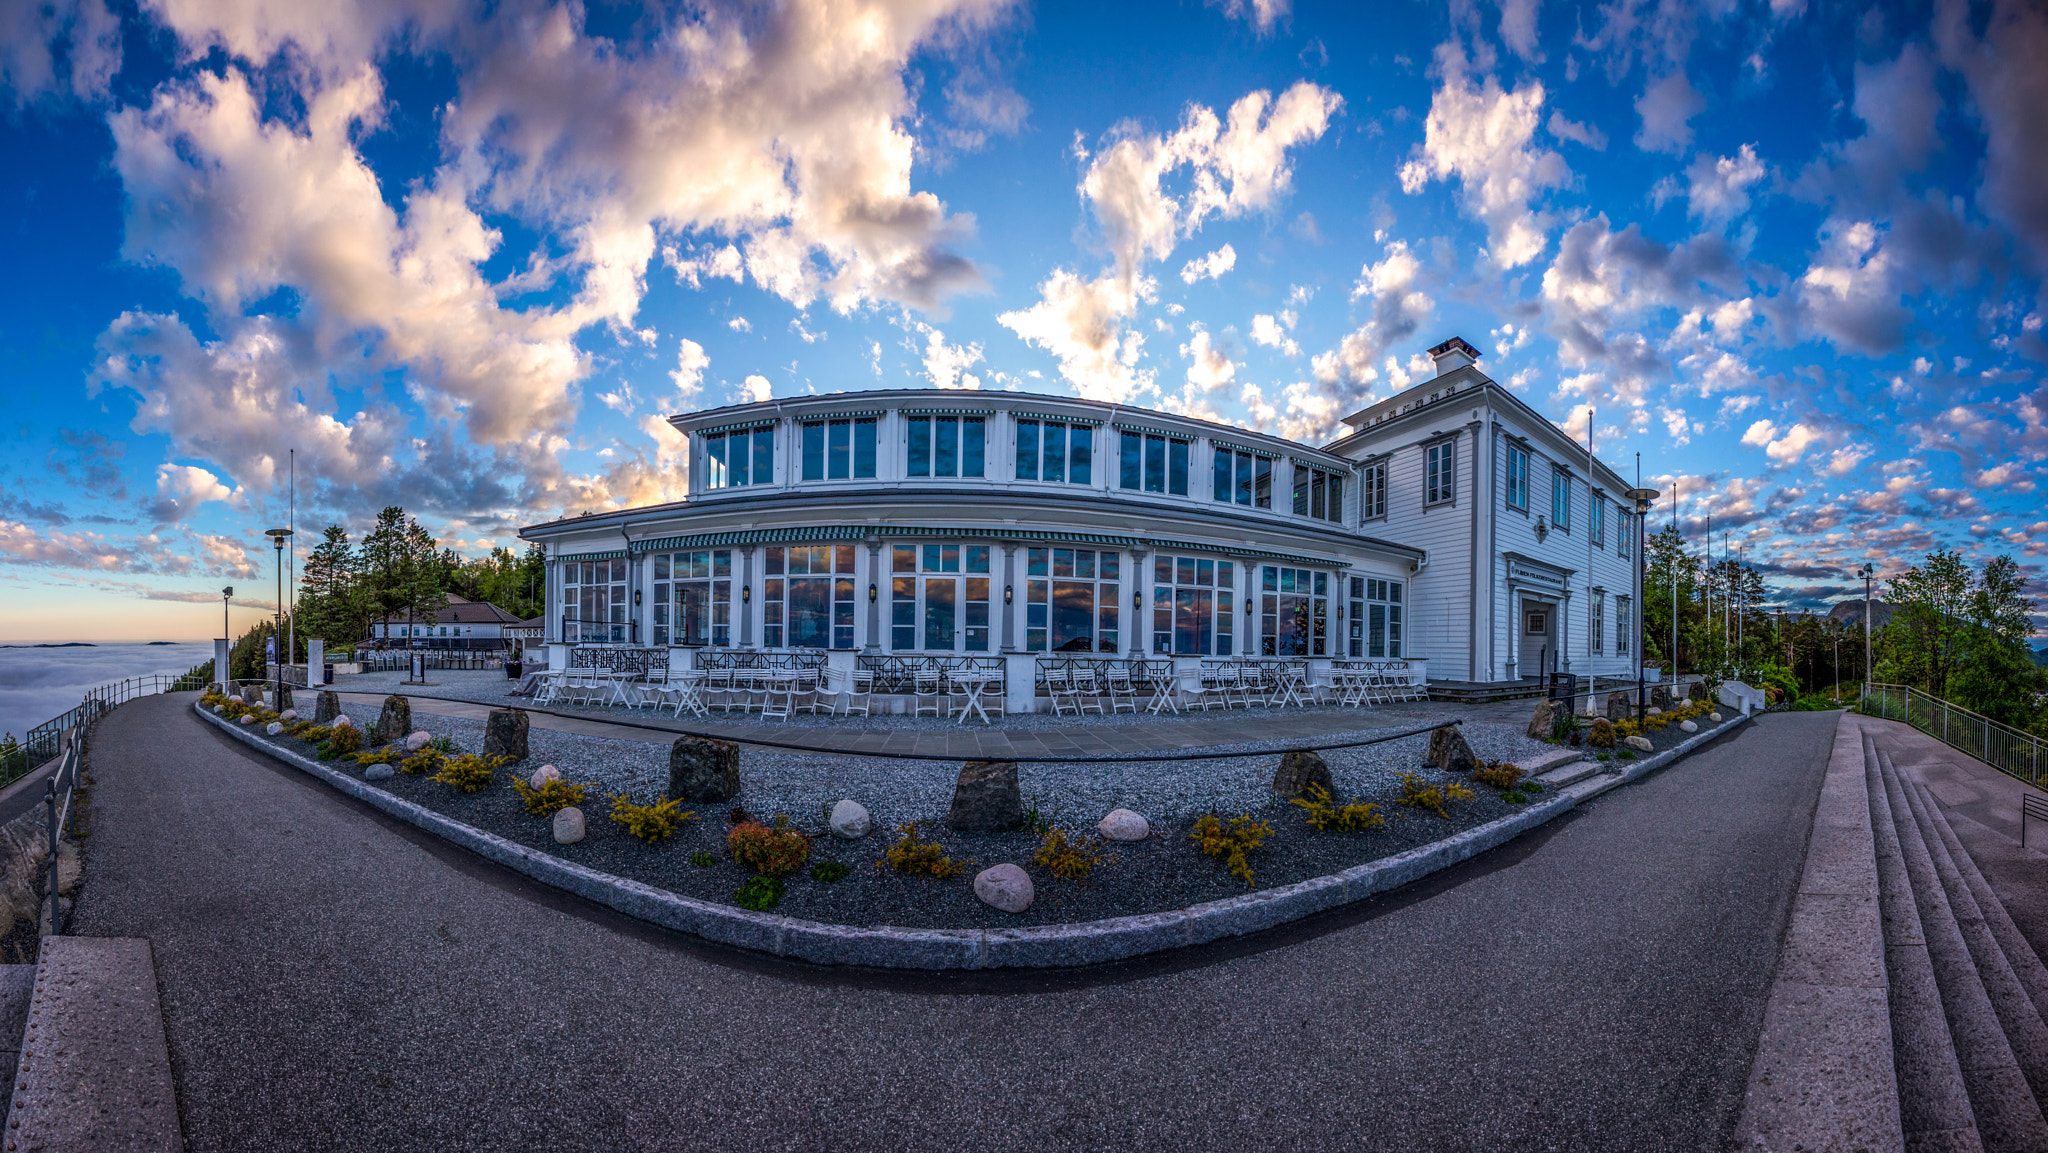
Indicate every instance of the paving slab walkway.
{"type": "Point", "coordinates": [332, 981]}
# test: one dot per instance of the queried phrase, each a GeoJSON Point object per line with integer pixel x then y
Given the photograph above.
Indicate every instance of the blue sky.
{"type": "Point", "coordinates": [1791, 253]}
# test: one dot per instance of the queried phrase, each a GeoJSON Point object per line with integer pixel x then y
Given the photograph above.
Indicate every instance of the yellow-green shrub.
{"type": "Point", "coordinates": [1326, 814]}
{"type": "Point", "coordinates": [551, 796]}
{"type": "Point", "coordinates": [1420, 794]}
{"type": "Point", "coordinates": [916, 857]}
{"type": "Point", "coordinates": [469, 772]}
{"type": "Point", "coordinates": [1069, 858]}
{"type": "Point", "coordinates": [1230, 842]}
{"type": "Point", "coordinates": [653, 823]}
{"type": "Point", "coordinates": [428, 760]}
{"type": "Point", "coordinates": [775, 852]}
{"type": "Point", "coordinates": [1602, 736]}
{"type": "Point", "coordinates": [341, 739]}
{"type": "Point", "coordinates": [388, 755]}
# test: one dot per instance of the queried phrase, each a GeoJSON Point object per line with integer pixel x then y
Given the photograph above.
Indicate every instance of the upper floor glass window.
{"type": "Point", "coordinates": [1153, 463]}
{"type": "Point", "coordinates": [735, 459]}
{"type": "Point", "coordinates": [1055, 450]}
{"type": "Point", "coordinates": [1372, 491]}
{"type": "Point", "coordinates": [839, 449]}
{"type": "Point", "coordinates": [1243, 478]}
{"type": "Point", "coordinates": [947, 446]}
{"type": "Point", "coordinates": [1596, 519]}
{"type": "Point", "coordinates": [1318, 494]}
{"type": "Point", "coordinates": [1624, 532]}
{"type": "Point", "coordinates": [1440, 473]}
{"type": "Point", "coordinates": [1518, 477]}
{"type": "Point", "coordinates": [1560, 500]}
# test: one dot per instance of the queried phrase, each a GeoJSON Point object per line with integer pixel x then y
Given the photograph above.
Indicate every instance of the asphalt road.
{"type": "Point", "coordinates": [332, 980]}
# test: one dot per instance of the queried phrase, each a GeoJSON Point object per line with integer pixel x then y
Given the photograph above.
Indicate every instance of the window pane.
{"type": "Point", "coordinates": [717, 475]}
{"type": "Point", "coordinates": [1336, 498]}
{"type": "Point", "coordinates": [740, 471]}
{"type": "Point", "coordinates": [764, 456]}
{"type": "Point", "coordinates": [1184, 570]}
{"type": "Point", "coordinates": [1063, 562]}
{"type": "Point", "coordinates": [838, 446]}
{"type": "Point", "coordinates": [903, 558]}
{"type": "Point", "coordinates": [1081, 456]}
{"type": "Point", "coordinates": [1055, 455]}
{"type": "Point", "coordinates": [939, 614]}
{"type": "Point", "coordinates": [1084, 563]}
{"type": "Point", "coordinates": [973, 446]}
{"type": "Point", "coordinates": [1244, 479]}
{"type": "Point", "coordinates": [1111, 562]}
{"type": "Point", "coordinates": [771, 563]}
{"type": "Point", "coordinates": [1027, 450]}
{"type": "Point", "coordinates": [1177, 468]}
{"type": "Point", "coordinates": [1130, 456]}
{"type": "Point", "coordinates": [920, 446]}
{"type": "Point", "coordinates": [1224, 574]}
{"type": "Point", "coordinates": [946, 460]}
{"type": "Point", "coordinates": [1073, 616]}
{"type": "Point", "coordinates": [1034, 562]}
{"type": "Point", "coordinates": [1155, 464]}
{"type": "Point", "coordinates": [1222, 492]}
{"type": "Point", "coordinates": [864, 448]}
{"type": "Point", "coordinates": [810, 613]}
{"type": "Point", "coordinates": [903, 612]}
{"type": "Point", "coordinates": [1318, 496]}
{"type": "Point", "coordinates": [1300, 491]}
{"type": "Point", "coordinates": [977, 558]}
{"type": "Point", "coordinates": [814, 451]}
{"type": "Point", "coordinates": [1262, 483]}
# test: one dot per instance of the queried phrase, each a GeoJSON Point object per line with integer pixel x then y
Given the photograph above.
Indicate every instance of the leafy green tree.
{"type": "Point", "coordinates": [401, 571]}
{"type": "Point", "coordinates": [332, 601]}
{"type": "Point", "coordinates": [1966, 637]}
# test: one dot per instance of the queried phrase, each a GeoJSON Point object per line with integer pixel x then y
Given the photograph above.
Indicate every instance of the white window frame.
{"type": "Point", "coordinates": [1560, 509]}
{"type": "Point", "coordinates": [1440, 473]}
{"type": "Point", "coordinates": [1517, 494]}
{"type": "Point", "coordinates": [1372, 492]}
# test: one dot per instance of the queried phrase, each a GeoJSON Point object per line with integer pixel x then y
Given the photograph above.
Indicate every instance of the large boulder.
{"type": "Point", "coordinates": [505, 734]}
{"type": "Point", "coordinates": [1696, 691]}
{"type": "Point", "coordinates": [395, 721]}
{"type": "Point", "coordinates": [543, 777]}
{"type": "Point", "coordinates": [1660, 696]}
{"type": "Point", "coordinates": [417, 740]}
{"type": "Point", "coordinates": [1639, 744]}
{"type": "Point", "coordinates": [1450, 751]}
{"type": "Point", "coordinates": [850, 820]}
{"type": "Point", "coordinates": [326, 707]}
{"type": "Point", "coordinates": [1300, 768]}
{"type": "Point", "coordinates": [1688, 727]}
{"type": "Point", "coordinates": [1621, 706]}
{"type": "Point", "coordinates": [379, 772]}
{"type": "Point", "coordinates": [986, 798]}
{"type": "Point", "coordinates": [1006, 887]}
{"type": "Point", "coordinates": [1542, 720]}
{"type": "Point", "coordinates": [1124, 825]}
{"type": "Point", "coordinates": [703, 770]}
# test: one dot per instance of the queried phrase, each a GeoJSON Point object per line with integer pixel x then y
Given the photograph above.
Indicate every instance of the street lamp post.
{"type": "Point", "coordinates": [221, 674]}
{"type": "Point", "coordinates": [1642, 498]}
{"type": "Point", "coordinates": [277, 538]}
{"type": "Point", "coordinates": [1868, 572]}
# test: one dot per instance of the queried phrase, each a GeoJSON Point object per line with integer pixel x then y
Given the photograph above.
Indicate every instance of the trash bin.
{"type": "Point", "coordinates": [327, 673]}
{"type": "Point", "coordinates": [513, 669]}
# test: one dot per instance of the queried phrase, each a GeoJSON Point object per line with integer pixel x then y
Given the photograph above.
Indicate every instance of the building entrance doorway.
{"type": "Point", "coordinates": [1537, 645]}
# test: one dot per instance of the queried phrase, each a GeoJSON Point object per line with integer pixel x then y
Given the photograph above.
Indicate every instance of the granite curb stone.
{"type": "Point", "coordinates": [1046, 946]}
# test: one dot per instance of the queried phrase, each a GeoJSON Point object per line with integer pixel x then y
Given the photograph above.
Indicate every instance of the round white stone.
{"type": "Point", "coordinates": [1640, 744]}
{"type": "Point", "coordinates": [1006, 887]}
{"type": "Point", "coordinates": [288, 715]}
{"type": "Point", "coordinates": [219, 709]}
{"type": "Point", "coordinates": [1714, 717]}
{"type": "Point", "coordinates": [379, 772]}
{"type": "Point", "coordinates": [1688, 727]}
{"type": "Point", "coordinates": [274, 728]}
{"type": "Point", "coordinates": [343, 722]}
{"type": "Point", "coordinates": [248, 718]}
{"type": "Point", "coordinates": [541, 776]}
{"type": "Point", "coordinates": [1124, 825]}
{"type": "Point", "coordinates": [568, 825]}
{"type": "Point", "coordinates": [850, 820]}
{"type": "Point", "coordinates": [1654, 711]}
{"type": "Point", "coordinates": [418, 740]}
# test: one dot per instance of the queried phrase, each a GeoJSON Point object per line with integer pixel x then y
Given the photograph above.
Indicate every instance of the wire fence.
{"type": "Point", "coordinates": [2003, 747]}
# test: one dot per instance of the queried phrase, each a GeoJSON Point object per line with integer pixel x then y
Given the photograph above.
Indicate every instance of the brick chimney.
{"type": "Point", "coordinates": [1453, 354]}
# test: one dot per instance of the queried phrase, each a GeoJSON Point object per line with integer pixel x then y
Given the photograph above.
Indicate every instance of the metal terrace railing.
{"type": "Point", "coordinates": [2010, 751]}
{"type": "Point", "coordinates": [46, 741]}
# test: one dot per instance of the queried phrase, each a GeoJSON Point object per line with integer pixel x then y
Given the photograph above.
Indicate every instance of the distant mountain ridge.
{"type": "Point", "coordinates": [1851, 612]}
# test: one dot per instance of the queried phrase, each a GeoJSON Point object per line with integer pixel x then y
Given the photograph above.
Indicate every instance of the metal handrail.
{"type": "Point", "coordinates": [2010, 751]}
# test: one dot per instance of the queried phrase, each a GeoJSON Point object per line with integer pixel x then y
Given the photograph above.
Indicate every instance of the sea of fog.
{"type": "Point", "coordinates": [39, 683]}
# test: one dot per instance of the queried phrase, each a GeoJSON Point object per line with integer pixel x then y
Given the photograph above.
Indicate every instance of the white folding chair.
{"type": "Point", "coordinates": [1121, 694]}
{"type": "Point", "coordinates": [859, 688]}
{"type": "Point", "coordinates": [926, 689]}
{"type": "Point", "coordinates": [1058, 682]}
{"type": "Point", "coordinates": [1087, 696]}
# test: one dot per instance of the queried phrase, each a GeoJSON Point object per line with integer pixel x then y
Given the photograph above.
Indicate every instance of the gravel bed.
{"type": "Point", "coordinates": [1163, 872]}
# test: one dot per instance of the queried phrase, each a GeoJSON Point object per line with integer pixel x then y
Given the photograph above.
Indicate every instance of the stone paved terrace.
{"type": "Point", "coordinates": [1036, 735]}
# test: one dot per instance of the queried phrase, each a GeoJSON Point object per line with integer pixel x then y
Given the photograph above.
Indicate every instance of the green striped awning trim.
{"type": "Point", "coordinates": [614, 554]}
{"type": "Point", "coordinates": [1268, 453]}
{"type": "Point", "coordinates": [738, 426]}
{"type": "Point", "coordinates": [822, 534]}
{"type": "Point", "coordinates": [1056, 418]}
{"type": "Point", "coordinates": [948, 412]}
{"type": "Point", "coordinates": [1149, 430]}
{"type": "Point", "coordinates": [819, 418]}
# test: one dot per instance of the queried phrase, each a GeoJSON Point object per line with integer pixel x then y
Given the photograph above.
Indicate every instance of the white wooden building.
{"type": "Point", "coordinates": [931, 522]}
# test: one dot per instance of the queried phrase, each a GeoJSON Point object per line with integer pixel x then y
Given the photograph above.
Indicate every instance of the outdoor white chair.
{"type": "Point", "coordinates": [810, 690]}
{"type": "Point", "coordinates": [926, 688]}
{"type": "Point", "coordinates": [778, 696]}
{"type": "Point", "coordinates": [1087, 694]}
{"type": "Point", "coordinates": [547, 688]}
{"type": "Point", "coordinates": [859, 688]}
{"type": "Point", "coordinates": [1122, 696]}
{"type": "Point", "coordinates": [718, 689]}
{"type": "Point", "coordinates": [1059, 684]}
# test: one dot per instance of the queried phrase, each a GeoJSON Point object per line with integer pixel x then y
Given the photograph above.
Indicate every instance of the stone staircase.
{"type": "Point", "coordinates": [1963, 1008]}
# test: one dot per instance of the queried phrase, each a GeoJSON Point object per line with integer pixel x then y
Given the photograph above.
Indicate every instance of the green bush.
{"type": "Point", "coordinates": [829, 871]}
{"type": "Point", "coordinates": [469, 772]}
{"type": "Point", "coordinates": [1231, 842]}
{"type": "Point", "coordinates": [1065, 857]}
{"type": "Point", "coordinates": [759, 894]}
{"type": "Point", "coordinates": [703, 860]}
{"type": "Point", "coordinates": [916, 857]}
{"type": "Point", "coordinates": [653, 823]}
{"type": "Point", "coordinates": [1416, 793]}
{"type": "Point", "coordinates": [551, 796]}
{"type": "Point", "coordinates": [777, 851]}
{"type": "Point", "coordinates": [1326, 814]}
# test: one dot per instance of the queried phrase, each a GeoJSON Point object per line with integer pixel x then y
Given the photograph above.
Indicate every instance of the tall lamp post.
{"type": "Point", "coordinates": [221, 674]}
{"type": "Point", "coordinates": [277, 538]}
{"type": "Point", "coordinates": [1642, 498]}
{"type": "Point", "coordinates": [1868, 572]}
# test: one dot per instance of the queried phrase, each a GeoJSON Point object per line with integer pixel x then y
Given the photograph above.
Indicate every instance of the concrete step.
{"type": "Point", "coordinates": [1571, 774]}
{"type": "Point", "coordinates": [2002, 1104]}
{"type": "Point", "coordinates": [2026, 962]}
{"type": "Point", "coordinates": [94, 1075]}
{"type": "Point", "coordinates": [1934, 1105]}
{"type": "Point", "coordinates": [1547, 760]}
{"type": "Point", "coordinates": [2017, 1014]}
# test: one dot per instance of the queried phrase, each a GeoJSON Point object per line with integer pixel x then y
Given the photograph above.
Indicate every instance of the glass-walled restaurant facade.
{"type": "Point", "coordinates": [918, 523]}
